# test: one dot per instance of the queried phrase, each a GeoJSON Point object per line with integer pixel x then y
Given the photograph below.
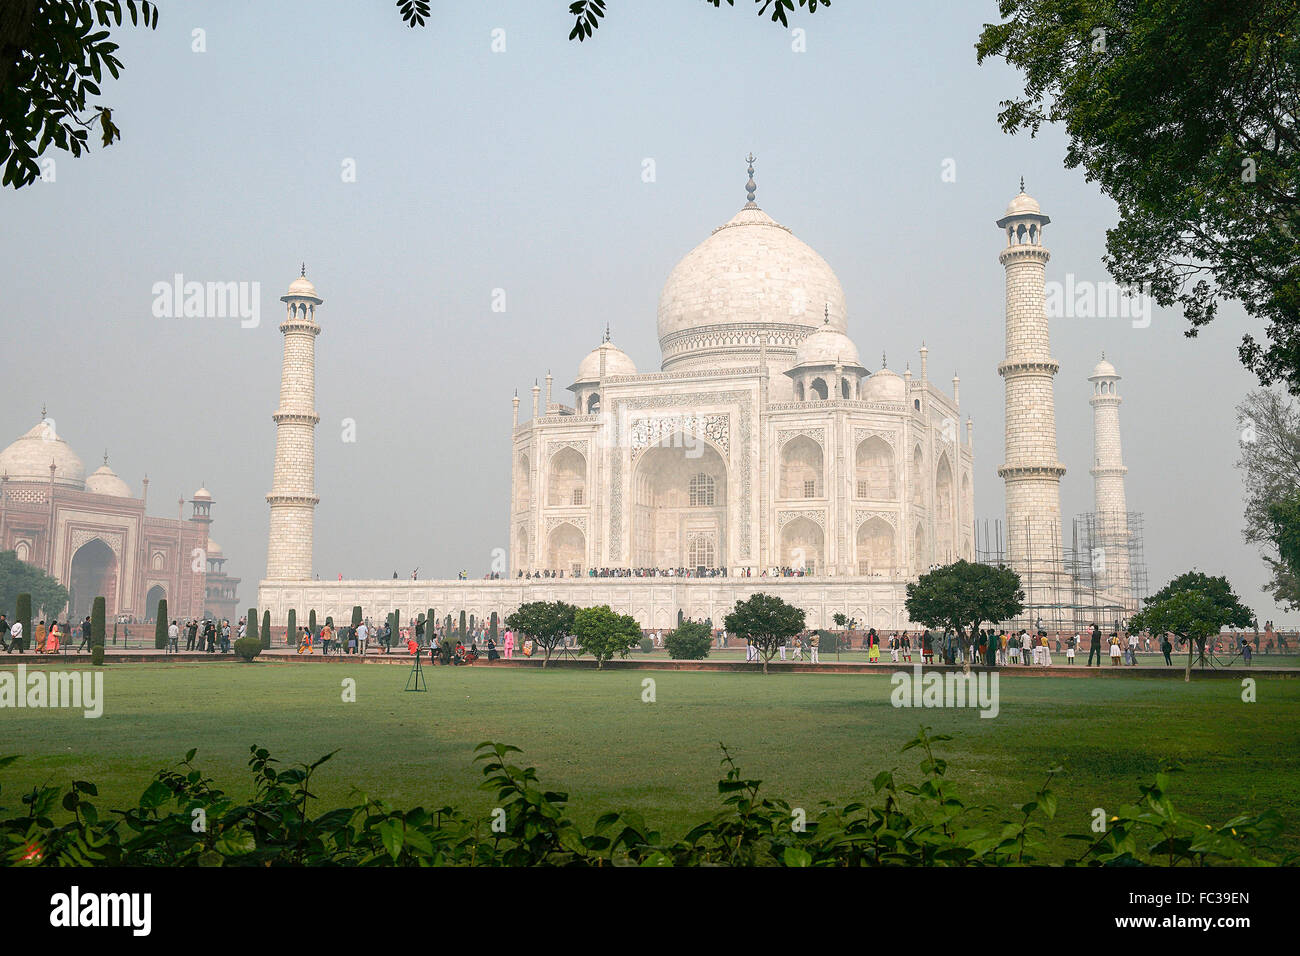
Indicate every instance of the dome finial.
{"type": "Point", "coordinates": [750, 186]}
{"type": "Point", "coordinates": [826, 314]}
{"type": "Point", "coordinates": [105, 456]}
{"type": "Point", "coordinates": [883, 361]}
{"type": "Point", "coordinates": [303, 273]}
{"type": "Point", "coordinates": [1022, 183]}
{"type": "Point", "coordinates": [606, 338]}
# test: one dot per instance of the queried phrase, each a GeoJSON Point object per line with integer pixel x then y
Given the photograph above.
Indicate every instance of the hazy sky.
{"type": "Point", "coordinates": [522, 170]}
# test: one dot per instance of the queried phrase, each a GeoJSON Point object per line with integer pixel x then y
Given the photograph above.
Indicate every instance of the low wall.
{"type": "Point", "coordinates": [653, 602]}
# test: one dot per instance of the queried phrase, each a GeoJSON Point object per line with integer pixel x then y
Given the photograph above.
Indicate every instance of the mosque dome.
{"type": "Point", "coordinates": [827, 346]}
{"type": "Point", "coordinates": [886, 385]}
{"type": "Point", "coordinates": [617, 362]}
{"type": "Point", "coordinates": [751, 276]}
{"type": "Point", "coordinates": [28, 458]}
{"type": "Point", "coordinates": [202, 495]}
{"type": "Point", "coordinates": [104, 481]}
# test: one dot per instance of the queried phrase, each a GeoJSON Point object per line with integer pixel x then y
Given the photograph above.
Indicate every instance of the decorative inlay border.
{"type": "Point", "coordinates": [783, 518]}
{"type": "Point", "coordinates": [862, 515]}
{"type": "Point", "coordinates": [646, 432]}
{"type": "Point", "coordinates": [786, 434]}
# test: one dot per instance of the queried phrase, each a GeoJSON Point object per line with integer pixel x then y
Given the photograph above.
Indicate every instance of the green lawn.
{"type": "Point", "coordinates": [809, 737]}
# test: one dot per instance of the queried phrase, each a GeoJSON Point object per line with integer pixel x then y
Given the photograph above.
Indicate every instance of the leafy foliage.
{"type": "Point", "coordinates": [247, 648]}
{"type": "Point", "coordinates": [160, 626]}
{"type": "Point", "coordinates": [53, 56]}
{"type": "Point", "coordinates": [97, 613]}
{"type": "Point", "coordinates": [690, 642]}
{"type": "Point", "coordinates": [926, 823]}
{"type": "Point", "coordinates": [602, 633]}
{"type": "Point", "coordinates": [1185, 113]}
{"type": "Point", "coordinates": [18, 577]}
{"type": "Point", "coordinates": [765, 621]}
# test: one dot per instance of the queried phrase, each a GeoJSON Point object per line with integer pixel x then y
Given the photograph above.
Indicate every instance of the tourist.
{"type": "Point", "coordinates": [1070, 644]}
{"type": "Point", "coordinates": [1114, 649]}
{"type": "Point", "coordinates": [873, 649]}
{"type": "Point", "coordinates": [510, 644]}
{"type": "Point", "coordinates": [42, 635]}
{"type": "Point", "coordinates": [990, 649]}
{"type": "Point", "coordinates": [893, 648]}
{"type": "Point", "coordinates": [4, 631]}
{"type": "Point", "coordinates": [814, 643]}
{"type": "Point", "coordinates": [326, 638]}
{"type": "Point", "coordinates": [85, 635]}
{"type": "Point", "coordinates": [1094, 645]}
{"type": "Point", "coordinates": [173, 637]}
{"type": "Point", "coordinates": [1047, 650]}
{"type": "Point", "coordinates": [492, 649]}
{"type": "Point", "coordinates": [52, 639]}
{"type": "Point", "coordinates": [225, 637]}
{"type": "Point", "coordinates": [363, 635]}
{"type": "Point", "coordinates": [15, 637]}
{"type": "Point", "coordinates": [210, 633]}
{"type": "Point", "coordinates": [784, 642]}
{"type": "Point", "coordinates": [798, 649]}
{"type": "Point", "coordinates": [1245, 651]}
{"type": "Point", "coordinates": [927, 651]}
{"type": "Point", "coordinates": [1167, 648]}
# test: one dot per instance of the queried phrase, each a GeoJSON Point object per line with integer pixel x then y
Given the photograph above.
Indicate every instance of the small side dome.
{"type": "Point", "coordinates": [617, 362]}
{"type": "Point", "coordinates": [103, 481]}
{"type": "Point", "coordinates": [214, 549]}
{"type": "Point", "coordinates": [885, 385]}
{"type": "Point", "coordinates": [202, 495]}
{"type": "Point", "coordinates": [827, 346]}
{"type": "Point", "coordinates": [1103, 369]}
{"type": "Point", "coordinates": [30, 456]}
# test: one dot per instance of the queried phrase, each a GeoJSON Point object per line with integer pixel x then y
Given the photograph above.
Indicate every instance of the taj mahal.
{"type": "Point", "coordinates": [764, 453]}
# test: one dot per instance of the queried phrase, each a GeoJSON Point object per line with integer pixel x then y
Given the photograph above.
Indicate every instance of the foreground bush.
{"type": "Point", "coordinates": [925, 824]}
{"type": "Point", "coordinates": [690, 642]}
{"type": "Point", "coordinates": [246, 648]}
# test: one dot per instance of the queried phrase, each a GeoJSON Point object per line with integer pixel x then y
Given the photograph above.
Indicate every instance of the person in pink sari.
{"type": "Point", "coordinates": [509, 644]}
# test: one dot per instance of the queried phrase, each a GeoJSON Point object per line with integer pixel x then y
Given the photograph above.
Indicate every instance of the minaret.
{"type": "Point", "coordinates": [293, 489]}
{"type": "Point", "coordinates": [1031, 471]}
{"type": "Point", "coordinates": [1111, 566]}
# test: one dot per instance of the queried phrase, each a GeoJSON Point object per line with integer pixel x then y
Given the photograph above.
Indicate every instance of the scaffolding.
{"type": "Point", "coordinates": [1100, 578]}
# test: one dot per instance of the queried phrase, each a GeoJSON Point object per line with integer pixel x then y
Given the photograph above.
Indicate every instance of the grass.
{"type": "Point", "coordinates": [809, 737]}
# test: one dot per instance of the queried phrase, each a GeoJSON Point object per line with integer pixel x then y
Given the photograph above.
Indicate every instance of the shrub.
{"type": "Point", "coordinates": [829, 642]}
{"type": "Point", "coordinates": [690, 642]}
{"type": "Point", "coordinates": [266, 629]}
{"type": "Point", "coordinates": [250, 631]}
{"type": "Point", "coordinates": [356, 615]}
{"type": "Point", "coordinates": [647, 645]}
{"type": "Point", "coordinates": [97, 612]}
{"type": "Point", "coordinates": [246, 648]}
{"type": "Point", "coordinates": [291, 632]}
{"type": "Point", "coordinates": [923, 822]}
{"type": "Point", "coordinates": [160, 627]}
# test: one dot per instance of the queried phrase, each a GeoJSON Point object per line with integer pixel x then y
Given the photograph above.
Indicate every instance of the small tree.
{"type": "Point", "coordinates": [251, 630]}
{"type": "Point", "coordinates": [602, 633]}
{"type": "Point", "coordinates": [492, 628]}
{"type": "Point", "coordinates": [291, 632]}
{"type": "Point", "coordinates": [962, 596]}
{"type": "Point", "coordinates": [461, 630]}
{"type": "Point", "coordinates": [546, 622]}
{"type": "Point", "coordinates": [765, 621]}
{"type": "Point", "coordinates": [97, 614]}
{"type": "Point", "coordinates": [356, 616]}
{"type": "Point", "coordinates": [160, 626]}
{"type": "Point", "coordinates": [690, 642]}
{"type": "Point", "coordinates": [1192, 607]}
{"type": "Point", "coordinates": [311, 620]}
{"type": "Point", "coordinates": [266, 629]}
{"type": "Point", "coordinates": [23, 614]}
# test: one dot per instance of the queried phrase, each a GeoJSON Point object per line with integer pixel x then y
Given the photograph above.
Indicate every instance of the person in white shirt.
{"type": "Point", "coordinates": [783, 646]}
{"type": "Point", "coordinates": [363, 632]}
{"type": "Point", "coordinates": [16, 636]}
{"type": "Point", "coordinates": [173, 636]}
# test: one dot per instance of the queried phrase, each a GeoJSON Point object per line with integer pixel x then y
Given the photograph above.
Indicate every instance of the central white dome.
{"type": "Point", "coordinates": [751, 277]}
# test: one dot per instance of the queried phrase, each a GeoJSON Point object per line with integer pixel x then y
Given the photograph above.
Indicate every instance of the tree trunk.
{"type": "Point", "coordinates": [1187, 674]}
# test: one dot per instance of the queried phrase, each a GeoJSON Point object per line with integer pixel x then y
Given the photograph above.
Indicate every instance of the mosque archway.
{"type": "Point", "coordinates": [93, 574]}
{"type": "Point", "coordinates": [875, 469]}
{"type": "Point", "coordinates": [802, 469]}
{"type": "Point", "coordinates": [156, 593]}
{"type": "Point", "coordinates": [802, 545]}
{"type": "Point", "coordinates": [567, 482]}
{"type": "Point", "coordinates": [876, 548]}
{"type": "Point", "coordinates": [566, 549]}
{"type": "Point", "coordinates": [679, 494]}
{"type": "Point", "coordinates": [819, 389]}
